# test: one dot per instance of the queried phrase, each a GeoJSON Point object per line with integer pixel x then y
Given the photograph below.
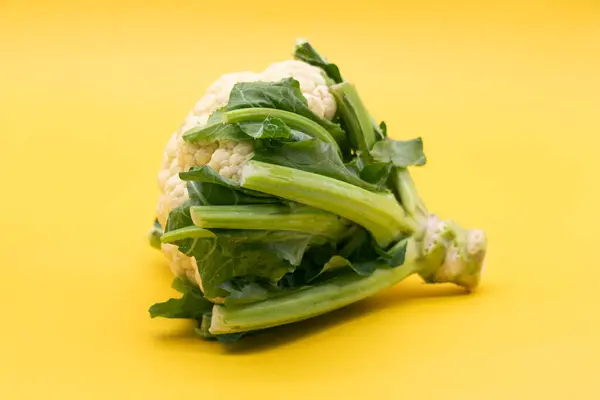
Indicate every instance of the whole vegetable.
{"type": "Point", "coordinates": [282, 199]}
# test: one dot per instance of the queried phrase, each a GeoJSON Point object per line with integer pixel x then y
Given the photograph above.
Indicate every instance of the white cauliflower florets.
{"type": "Point", "coordinates": [225, 157]}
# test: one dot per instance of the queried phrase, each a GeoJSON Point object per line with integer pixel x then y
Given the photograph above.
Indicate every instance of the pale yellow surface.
{"type": "Point", "coordinates": [506, 97]}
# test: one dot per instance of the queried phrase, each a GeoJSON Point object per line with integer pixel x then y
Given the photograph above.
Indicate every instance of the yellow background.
{"type": "Point", "coordinates": [506, 96]}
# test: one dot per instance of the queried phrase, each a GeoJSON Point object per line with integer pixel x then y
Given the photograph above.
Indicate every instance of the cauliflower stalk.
{"type": "Point", "coordinates": [282, 199]}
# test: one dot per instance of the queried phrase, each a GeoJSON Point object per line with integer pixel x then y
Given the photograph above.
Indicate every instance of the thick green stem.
{"type": "Point", "coordinates": [358, 122]}
{"type": "Point", "coordinates": [446, 254]}
{"type": "Point", "coordinates": [294, 121]}
{"type": "Point", "coordinates": [407, 194]}
{"type": "Point", "coordinates": [189, 232]}
{"type": "Point", "coordinates": [271, 217]}
{"type": "Point", "coordinates": [309, 302]}
{"type": "Point", "coordinates": [379, 213]}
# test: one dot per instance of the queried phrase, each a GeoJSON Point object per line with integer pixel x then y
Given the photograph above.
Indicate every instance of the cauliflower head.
{"type": "Point", "coordinates": [225, 157]}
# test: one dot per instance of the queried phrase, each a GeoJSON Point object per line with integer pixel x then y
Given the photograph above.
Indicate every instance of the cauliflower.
{"type": "Point", "coordinates": [225, 157]}
{"type": "Point", "coordinates": [290, 214]}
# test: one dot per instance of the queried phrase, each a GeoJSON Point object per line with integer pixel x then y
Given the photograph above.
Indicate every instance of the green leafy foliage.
{"type": "Point", "coordinates": [214, 130]}
{"type": "Point", "coordinates": [376, 173]}
{"type": "Point", "coordinates": [229, 256]}
{"type": "Point", "coordinates": [312, 156]}
{"type": "Point", "coordinates": [191, 304]}
{"type": "Point", "coordinates": [207, 187]}
{"type": "Point", "coordinates": [267, 255]}
{"type": "Point", "coordinates": [394, 256]}
{"type": "Point", "coordinates": [363, 268]}
{"type": "Point", "coordinates": [250, 289]}
{"type": "Point", "coordinates": [401, 153]}
{"type": "Point", "coordinates": [370, 171]}
{"type": "Point", "coordinates": [347, 105]}
{"type": "Point", "coordinates": [359, 254]}
{"type": "Point", "coordinates": [324, 263]}
{"type": "Point", "coordinates": [282, 95]}
{"type": "Point", "coordinates": [179, 217]}
{"type": "Point", "coordinates": [382, 131]}
{"type": "Point", "coordinates": [305, 52]}
{"type": "Point", "coordinates": [269, 128]}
